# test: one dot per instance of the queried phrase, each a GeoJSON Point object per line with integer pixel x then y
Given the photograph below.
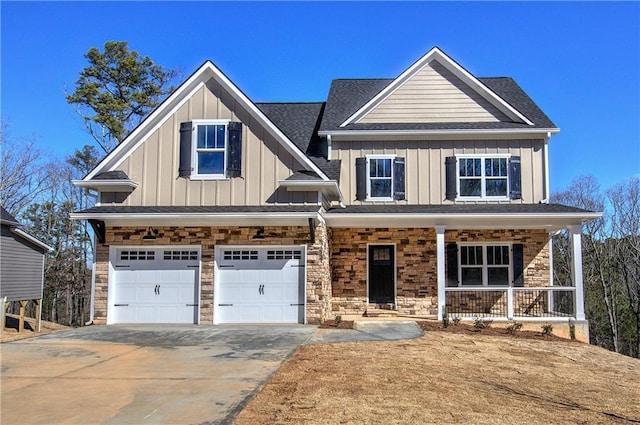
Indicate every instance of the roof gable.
{"type": "Point", "coordinates": [420, 95]}
{"type": "Point", "coordinates": [181, 95]}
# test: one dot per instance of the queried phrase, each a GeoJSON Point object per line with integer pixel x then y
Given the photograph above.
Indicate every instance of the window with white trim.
{"type": "Point", "coordinates": [210, 148]}
{"type": "Point", "coordinates": [485, 265]}
{"type": "Point", "coordinates": [380, 177]}
{"type": "Point", "coordinates": [482, 177]}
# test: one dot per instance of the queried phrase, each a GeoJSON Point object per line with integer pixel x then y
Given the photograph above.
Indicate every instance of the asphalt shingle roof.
{"type": "Point", "coordinates": [112, 175]}
{"type": "Point", "coordinates": [459, 209]}
{"type": "Point", "coordinates": [151, 210]}
{"type": "Point", "coordinates": [346, 96]}
{"type": "Point", "coordinates": [6, 217]}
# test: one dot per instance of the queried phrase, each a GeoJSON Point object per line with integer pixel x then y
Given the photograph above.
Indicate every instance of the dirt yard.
{"type": "Point", "coordinates": [11, 333]}
{"type": "Point", "coordinates": [451, 377]}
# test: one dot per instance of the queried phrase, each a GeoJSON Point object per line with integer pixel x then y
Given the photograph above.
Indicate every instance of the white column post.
{"type": "Point", "coordinates": [441, 271]}
{"type": "Point", "coordinates": [576, 269]}
{"type": "Point", "coordinates": [510, 308]}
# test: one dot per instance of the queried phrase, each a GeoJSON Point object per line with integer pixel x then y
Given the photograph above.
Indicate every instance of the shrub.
{"type": "Point", "coordinates": [572, 329]}
{"type": "Point", "coordinates": [445, 320]}
{"type": "Point", "coordinates": [455, 320]}
{"type": "Point", "coordinates": [480, 324]}
{"type": "Point", "coordinates": [547, 329]}
{"type": "Point", "coordinates": [513, 328]}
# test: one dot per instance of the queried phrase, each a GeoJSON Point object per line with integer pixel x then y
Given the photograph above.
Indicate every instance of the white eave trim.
{"type": "Point", "coordinates": [443, 132]}
{"type": "Point", "coordinates": [202, 219]}
{"type": "Point", "coordinates": [166, 109]}
{"type": "Point", "coordinates": [31, 239]}
{"type": "Point", "coordinates": [457, 70]}
{"type": "Point", "coordinates": [551, 221]}
{"type": "Point", "coordinates": [107, 185]}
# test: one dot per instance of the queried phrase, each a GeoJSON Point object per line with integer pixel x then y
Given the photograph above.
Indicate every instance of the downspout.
{"type": "Point", "coordinates": [545, 152]}
{"type": "Point", "coordinates": [93, 266]}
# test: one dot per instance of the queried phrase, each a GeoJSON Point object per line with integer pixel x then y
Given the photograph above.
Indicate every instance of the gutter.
{"type": "Point", "coordinates": [547, 131]}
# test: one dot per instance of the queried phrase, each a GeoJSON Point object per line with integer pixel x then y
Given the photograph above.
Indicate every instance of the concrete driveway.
{"type": "Point", "coordinates": [141, 374]}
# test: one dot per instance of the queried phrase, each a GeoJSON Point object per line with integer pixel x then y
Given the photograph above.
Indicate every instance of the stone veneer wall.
{"type": "Point", "coordinates": [318, 272]}
{"type": "Point", "coordinates": [416, 280]}
{"type": "Point", "coordinates": [416, 263]}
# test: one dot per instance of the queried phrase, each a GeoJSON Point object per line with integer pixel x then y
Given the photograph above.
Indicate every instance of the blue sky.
{"type": "Point", "coordinates": [578, 61]}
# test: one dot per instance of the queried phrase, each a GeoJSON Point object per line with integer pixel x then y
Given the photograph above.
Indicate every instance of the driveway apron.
{"type": "Point", "coordinates": [141, 374]}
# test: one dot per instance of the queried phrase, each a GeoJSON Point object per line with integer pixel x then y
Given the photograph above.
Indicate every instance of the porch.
{"type": "Point", "coordinates": [551, 303]}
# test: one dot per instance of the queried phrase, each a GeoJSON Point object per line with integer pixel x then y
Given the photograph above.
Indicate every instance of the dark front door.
{"type": "Point", "coordinates": [381, 274]}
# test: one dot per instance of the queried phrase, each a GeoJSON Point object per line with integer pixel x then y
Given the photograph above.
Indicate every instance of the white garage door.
{"type": "Point", "coordinates": [155, 285]}
{"type": "Point", "coordinates": [260, 285]}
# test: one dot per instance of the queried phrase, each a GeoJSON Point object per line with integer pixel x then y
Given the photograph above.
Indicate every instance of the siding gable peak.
{"type": "Point", "coordinates": [182, 94]}
{"type": "Point", "coordinates": [436, 89]}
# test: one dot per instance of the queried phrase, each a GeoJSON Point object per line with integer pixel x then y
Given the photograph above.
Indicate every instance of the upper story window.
{"type": "Point", "coordinates": [490, 177]}
{"type": "Point", "coordinates": [482, 177]}
{"type": "Point", "coordinates": [380, 178]}
{"type": "Point", "coordinates": [380, 181]}
{"type": "Point", "coordinates": [210, 149]}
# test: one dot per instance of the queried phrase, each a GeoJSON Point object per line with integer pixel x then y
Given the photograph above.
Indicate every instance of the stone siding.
{"type": "Point", "coordinates": [416, 267]}
{"type": "Point", "coordinates": [416, 264]}
{"type": "Point", "coordinates": [318, 287]}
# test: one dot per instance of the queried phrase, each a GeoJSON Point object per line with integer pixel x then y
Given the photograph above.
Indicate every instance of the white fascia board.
{"type": "Point", "coordinates": [31, 239]}
{"type": "Point", "coordinates": [450, 221]}
{"type": "Point", "coordinates": [201, 219]}
{"type": "Point", "coordinates": [452, 66]}
{"type": "Point", "coordinates": [167, 108]}
{"type": "Point", "coordinates": [462, 133]}
{"type": "Point", "coordinates": [107, 185]}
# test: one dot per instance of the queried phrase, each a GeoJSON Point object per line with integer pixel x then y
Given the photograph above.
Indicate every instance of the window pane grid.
{"type": "Point", "coordinates": [210, 148]}
{"type": "Point", "coordinates": [380, 177]}
{"type": "Point", "coordinates": [483, 177]}
{"type": "Point", "coordinates": [484, 265]}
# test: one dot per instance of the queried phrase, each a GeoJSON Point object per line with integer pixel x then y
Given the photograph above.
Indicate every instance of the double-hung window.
{"type": "Point", "coordinates": [483, 177]}
{"type": "Point", "coordinates": [209, 149]}
{"type": "Point", "coordinates": [380, 177]}
{"type": "Point", "coordinates": [485, 265]}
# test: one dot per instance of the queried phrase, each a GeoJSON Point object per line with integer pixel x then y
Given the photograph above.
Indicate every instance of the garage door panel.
{"type": "Point", "coordinates": [160, 289]}
{"type": "Point", "coordinates": [264, 285]}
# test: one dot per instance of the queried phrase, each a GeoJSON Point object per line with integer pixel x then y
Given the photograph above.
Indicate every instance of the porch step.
{"type": "Point", "coordinates": [380, 312]}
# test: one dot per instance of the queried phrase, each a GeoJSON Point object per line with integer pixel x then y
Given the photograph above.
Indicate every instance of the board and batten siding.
{"type": "Point", "coordinates": [154, 164]}
{"type": "Point", "coordinates": [434, 94]}
{"type": "Point", "coordinates": [21, 268]}
{"type": "Point", "coordinates": [424, 166]}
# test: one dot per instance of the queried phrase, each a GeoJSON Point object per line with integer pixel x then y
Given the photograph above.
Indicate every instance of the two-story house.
{"type": "Point", "coordinates": [426, 194]}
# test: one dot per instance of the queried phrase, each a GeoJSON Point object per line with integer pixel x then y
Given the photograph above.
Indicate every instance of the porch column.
{"type": "Point", "coordinates": [576, 269]}
{"type": "Point", "coordinates": [441, 273]}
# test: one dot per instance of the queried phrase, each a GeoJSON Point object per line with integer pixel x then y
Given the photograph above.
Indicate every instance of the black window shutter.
{"type": "Point", "coordinates": [185, 168]}
{"type": "Point", "coordinates": [452, 264]}
{"type": "Point", "coordinates": [451, 190]}
{"type": "Point", "coordinates": [234, 149]}
{"type": "Point", "coordinates": [398, 179]}
{"type": "Point", "coordinates": [518, 265]}
{"type": "Point", "coordinates": [361, 179]}
{"type": "Point", "coordinates": [515, 178]}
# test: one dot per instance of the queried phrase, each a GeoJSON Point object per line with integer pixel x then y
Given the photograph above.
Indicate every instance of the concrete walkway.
{"type": "Point", "coordinates": [375, 330]}
{"type": "Point", "coordinates": [156, 374]}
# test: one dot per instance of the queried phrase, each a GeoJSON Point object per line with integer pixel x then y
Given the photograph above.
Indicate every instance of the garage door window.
{"type": "Point", "coordinates": [137, 255]}
{"type": "Point", "coordinates": [284, 255]}
{"type": "Point", "coordinates": [240, 255]}
{"type": "Point", "coordinates": [181, 255]}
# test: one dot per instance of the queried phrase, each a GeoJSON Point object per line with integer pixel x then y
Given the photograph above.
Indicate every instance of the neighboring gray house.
{"type": "Point", "coordinates": [21, 267]}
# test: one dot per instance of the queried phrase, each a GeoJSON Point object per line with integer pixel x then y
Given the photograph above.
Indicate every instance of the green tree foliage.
{"type": "Point", "coordinates": [117, 90]}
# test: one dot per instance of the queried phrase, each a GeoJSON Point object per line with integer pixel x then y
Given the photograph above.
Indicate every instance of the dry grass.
{"type": "Point", "coordinates": [448, 377]}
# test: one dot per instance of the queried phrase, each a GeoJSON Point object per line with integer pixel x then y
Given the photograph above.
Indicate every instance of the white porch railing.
{"type": "Point", "coordinates": [520, 303]}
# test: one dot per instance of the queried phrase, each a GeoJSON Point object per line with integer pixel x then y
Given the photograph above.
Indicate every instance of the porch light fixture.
{"type": "Point", "coordinates": [259, 234]}
{"type": "Point", "coordinates": [151, 235]}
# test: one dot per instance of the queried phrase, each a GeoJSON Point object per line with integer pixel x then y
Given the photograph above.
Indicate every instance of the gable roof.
{"type": "Point", "coordinates": [7, 218]}
{"type": "Point", "coordinates": [159, 115]}
{"type": "Point", "coordinates": [350, 98]}
{"type": "Point", "coordinates": [449, 64]}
